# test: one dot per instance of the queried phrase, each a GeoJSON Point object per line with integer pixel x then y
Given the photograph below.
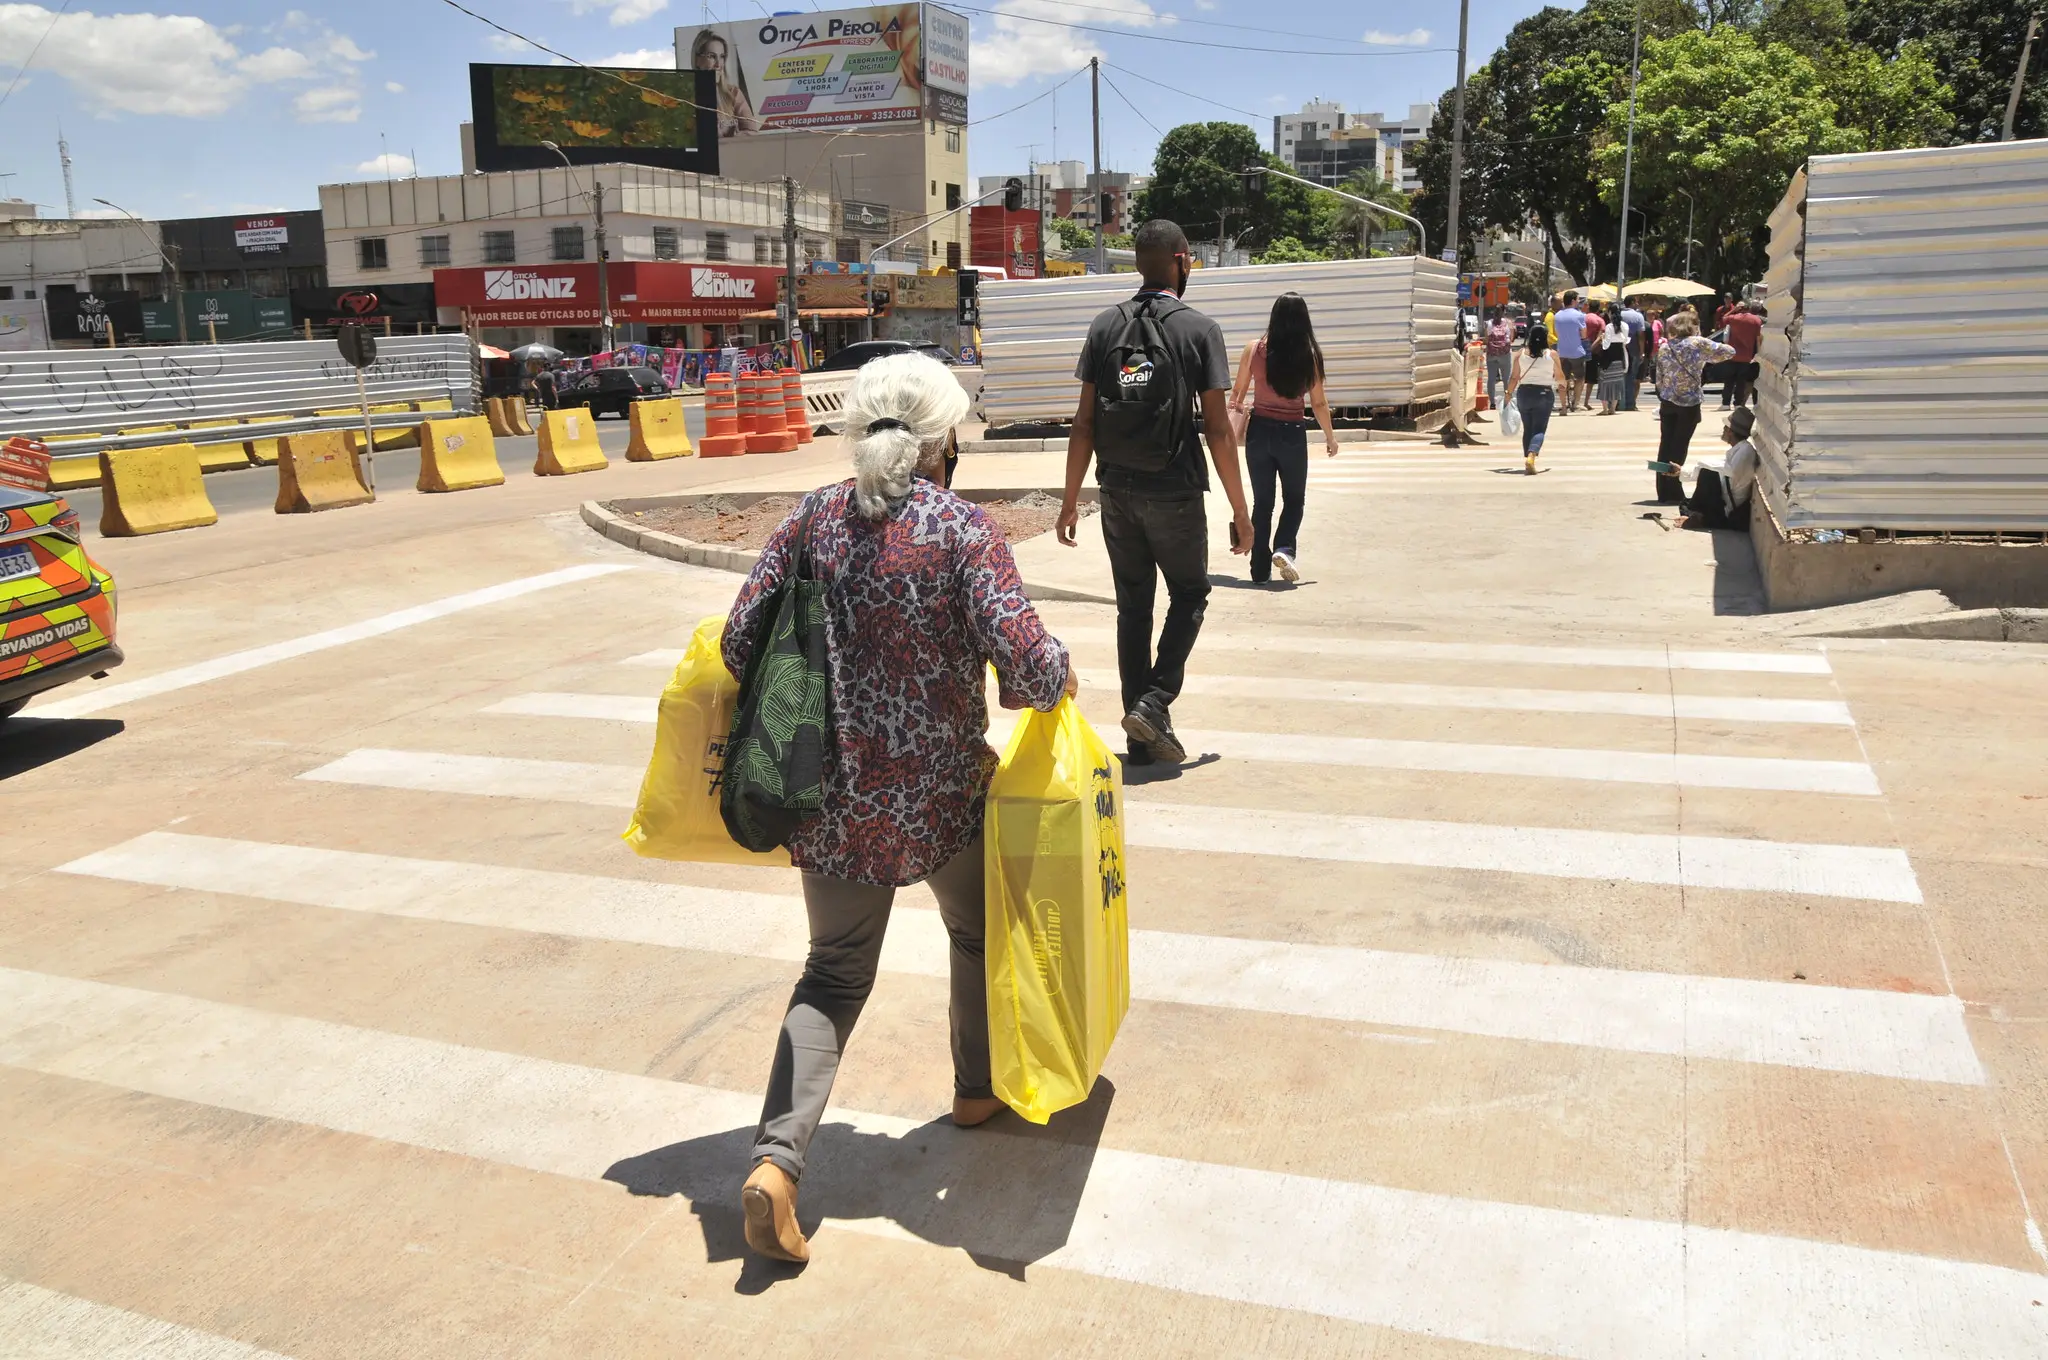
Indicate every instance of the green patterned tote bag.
{"type": "Point", "coordinates": [782, 724]}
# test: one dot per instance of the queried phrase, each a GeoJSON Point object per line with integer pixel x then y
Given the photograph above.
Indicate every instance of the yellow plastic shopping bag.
{"type": "Point", "coordinates": [1059, 963]}
{"type": "Point", "coordinates": [676, 816]}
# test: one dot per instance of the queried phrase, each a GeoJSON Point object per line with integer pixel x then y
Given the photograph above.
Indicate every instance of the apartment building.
{"type": "Point", "coordinates": [1327, 144]}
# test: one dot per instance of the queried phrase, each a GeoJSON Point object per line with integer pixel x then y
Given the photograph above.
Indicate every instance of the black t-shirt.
{"type": "Point", "coordinates": [1205, 367]}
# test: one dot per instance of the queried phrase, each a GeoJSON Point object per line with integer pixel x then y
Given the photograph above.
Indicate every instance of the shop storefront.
{"type": "Point", "coordinates": [687, 306]}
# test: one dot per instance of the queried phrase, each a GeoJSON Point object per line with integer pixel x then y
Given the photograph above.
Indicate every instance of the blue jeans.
{"type": "Point", "coordinates": [1275, 449]}
{"type": "Point", "coordinates": [1534, 401]}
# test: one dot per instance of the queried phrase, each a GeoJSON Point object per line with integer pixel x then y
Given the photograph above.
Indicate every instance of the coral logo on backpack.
{"type": "Point", "coordinates": [1136, 373]}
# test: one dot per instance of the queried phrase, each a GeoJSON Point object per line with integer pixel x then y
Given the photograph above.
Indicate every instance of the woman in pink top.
{"type": "Point", "coordinates": [1280, 370]}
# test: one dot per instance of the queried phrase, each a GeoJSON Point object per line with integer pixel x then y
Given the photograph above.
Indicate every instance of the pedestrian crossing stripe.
{"type": "Point", "coordinates": [1903, 1035]}
{"type": "Point", "coordinates": [1553, 1281]}
{"type": "Point", "coordinates": [42, 1324]}
{"type": "Point", "coordinates": [1869, 872]}
{"type": "Point", "coordinates": [1449, 757]}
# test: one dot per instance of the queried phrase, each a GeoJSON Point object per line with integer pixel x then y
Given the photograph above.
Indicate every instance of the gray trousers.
{"type": "Point", "coordinates": [847, 924]}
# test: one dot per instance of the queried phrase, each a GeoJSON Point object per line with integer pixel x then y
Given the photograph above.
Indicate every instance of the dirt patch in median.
{"type": "Point", "coordinates": [720, 520]}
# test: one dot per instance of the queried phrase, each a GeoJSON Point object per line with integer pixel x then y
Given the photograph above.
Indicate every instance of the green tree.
{"type": "Point", "coordinates": [1072, 235]}
{"type": "Point", "coordinates": [1974, 47]}
{"type": "Point", "coordinates": [1289, 250]}
{"type": "Point", "coordinates": [1812, 28]}
{"type": "Point", "coordinates": [1339, 225]}
{"type": "Point", "coordinates": [1892, 102]}
{"type": "Point", "coordinates": [1729, 121]}
{"type": "Point", "coordinates": [1195, 182]}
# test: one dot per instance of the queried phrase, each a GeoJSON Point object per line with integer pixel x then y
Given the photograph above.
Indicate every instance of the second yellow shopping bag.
{"type": "Point", "coordinates": [677, 815]}
{"type": "Point", "coordinates": [1058, 931]}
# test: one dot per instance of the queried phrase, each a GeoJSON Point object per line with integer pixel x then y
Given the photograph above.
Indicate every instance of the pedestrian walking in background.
{"type": "Point", "coordinates": [544, 385]}
{"type": "Point", "coordinates": [1638, 347]}
{"type": "Point", "coordinates": [1500, 357]}
{"type": "Point", "coordinates": [1610, 357]}
{"type": "Point", "coordinates": [922, 595]}
{"type": "Point", "coordinates": [1277, 371]}
{"type": "Point", "coordinates": [1569, 333]}
{"type": "Point", "coordinates": [1745, 325]}
{"type": "Point", "coordinates": [1683, 358]}
{"type": "Point", "coordinates": [1145, 368]}
{"type": "Point", "coordinates": [1534, 386]}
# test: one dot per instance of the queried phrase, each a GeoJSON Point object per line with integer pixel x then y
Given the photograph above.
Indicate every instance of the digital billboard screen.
{"type": "Point", "coordinates": [831, 69]}
{"type": "Point", "coordinates": [597, 115]}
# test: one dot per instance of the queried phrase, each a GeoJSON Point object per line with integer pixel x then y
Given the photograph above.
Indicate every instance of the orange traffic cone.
{"type": "Point", "coordinates": [793, 407]}
{"type": "Point", "coordinates": [762, 417]}
{"type": "Point", "coordinates": [722, 437]}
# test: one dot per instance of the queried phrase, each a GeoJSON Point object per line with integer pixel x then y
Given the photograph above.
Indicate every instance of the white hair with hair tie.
{"type": "Point", "coordinates": [899, 405]}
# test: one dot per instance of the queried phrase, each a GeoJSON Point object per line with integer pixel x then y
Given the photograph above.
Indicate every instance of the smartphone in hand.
{"type": "Point", "coordinates": [1234, 543]}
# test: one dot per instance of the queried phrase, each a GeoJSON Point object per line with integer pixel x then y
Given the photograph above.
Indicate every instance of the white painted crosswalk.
{"type": "Point", "coordinates": [42, 1324]}
{"type": "Point", "coordinates": [1552, 1281]}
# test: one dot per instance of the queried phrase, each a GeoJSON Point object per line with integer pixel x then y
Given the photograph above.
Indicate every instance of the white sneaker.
{"type": "Point", "coordinates": [1284, 564]}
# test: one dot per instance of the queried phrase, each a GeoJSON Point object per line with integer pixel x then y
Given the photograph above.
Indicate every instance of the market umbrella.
{"type": "Point", "coordinates": [1599, 292]}
{"type": "Point", "coordinates": [1668, 287]}
{"type": "Point", "coordinates": [492, 352]}
{"type": "Point", "coordinates": [535, 351]}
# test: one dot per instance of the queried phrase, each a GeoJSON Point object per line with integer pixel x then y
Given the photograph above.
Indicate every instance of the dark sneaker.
{"type": "Point", "coordinates": [1147, 724]}
{"type": "Point", "coordinates": [1136, 755]}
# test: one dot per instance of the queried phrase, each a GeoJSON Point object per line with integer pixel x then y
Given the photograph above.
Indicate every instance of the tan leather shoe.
{"type": "Point", "coordinates": [768, 1200]}
{"type": "Point", "coordinates": [969, 1112]}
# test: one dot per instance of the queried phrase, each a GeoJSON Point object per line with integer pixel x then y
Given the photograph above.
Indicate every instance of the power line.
{"type": "Point", "coordinates": [1241, 28]}
{"type": "Point", "coordinates": [1133, 107]}
{"type": "Point", "coordinates": [1190, 42]}
{"type": "Point", "coordinates": [30, 58]}
{"type": "Point", "coordinates": [1261, 117]}
{"type": "Point", "coordinates": [1046, 94]}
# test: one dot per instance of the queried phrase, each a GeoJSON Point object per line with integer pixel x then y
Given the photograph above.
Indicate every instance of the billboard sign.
{"type": "Point", "coordinates": [261, 235]}
{"type": "Point", "coordinates": [645, 291]}
{"type": "Point", "coordinates": [89, 316]}
{"type": "Point", "coordinates": [831, 69]}
{"type": "Point", "coordinates": [857, 216]}
{"type": "Point", "coordinates": [597, 115]}
{"type": "Point", "coordinates": [407, 304]}
{"type": "Point", "coordinates": [945, 64]}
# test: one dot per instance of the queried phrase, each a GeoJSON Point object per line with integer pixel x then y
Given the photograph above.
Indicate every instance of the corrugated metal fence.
{"type": "Point", "coordinates": [1385, 327]}
{"type": "Point", "coordinates": [103, 391]}
{"type": "Point", "coordinates": [1904, 379]}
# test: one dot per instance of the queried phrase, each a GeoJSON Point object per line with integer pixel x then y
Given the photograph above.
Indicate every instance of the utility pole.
{"type": "Point", "coordinates": [168, 254]}
{"type": "Point", "coordinates": [1689, 206]}
{"type": "Point", "coordinates": [1628, 158]}
{"type": "Point", "coordinates": [1095, 184]}
{"type": "Point", "coordinates": [71, 203]}
{"type": "Point", "coordinates": [2012, 103]}
{"type": "Point", "coordinates": [604, 292]}
{"type": "Point", "coordinates": [791, 322]}
{"type": "Point", "coordinates": [1458, 135]}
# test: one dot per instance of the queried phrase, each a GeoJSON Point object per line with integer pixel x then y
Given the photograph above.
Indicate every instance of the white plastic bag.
{"type": "Point", "coordinates": [1510, 416]}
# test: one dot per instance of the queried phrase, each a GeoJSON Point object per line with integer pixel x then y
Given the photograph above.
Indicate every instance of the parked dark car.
{"type": "Point", "coordinates": [613, 390]}
{"type": "Point", "coordinates": [861, 351]}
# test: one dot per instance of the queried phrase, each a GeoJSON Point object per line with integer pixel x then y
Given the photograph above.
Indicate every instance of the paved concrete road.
{"type": "Point", "coordinates": [1543, 956]}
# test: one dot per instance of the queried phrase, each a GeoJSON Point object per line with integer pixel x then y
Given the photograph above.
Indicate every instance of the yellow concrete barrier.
{"type": "Point", "coordinates": [501, 422]}
{"type": "Point", "coordinates": [152, 491]}
{"type": "Point", "coordinates": [264, 452]}
{"type": "Point", "coordinates": [457, 454]}
{"type": "Point", "coordinates": [318, 472]}
{"type": "Point", "coordinates": [568, 443]}
{"type": "Point", "coordinates": [75, 471]}
{"type": "Point", "coordinates": [220, 457]}
{"type": "Point", "coordinates": [658, 431]}
{"type": "Point", "coordinates": [515, 411]}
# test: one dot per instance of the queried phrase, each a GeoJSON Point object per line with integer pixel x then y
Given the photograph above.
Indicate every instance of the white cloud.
{"type": "Point", "coordinates": [179, 65]}
{"type": "Point", "coordinates": [1206, 6]}
{"type": "Point", "coordinates": [656, 58]}
{"type": "Point", "coordinates": [330, 104]}
{"type": "Point", "coordinates": [101, 212]}
{"type": "Point", "coordinates": [1020, 47]}
{"type": "Point", "coordinates": [622, 12]}
{"type": "Point", "coordinates": [390, 163]}
{"type": "Point", "coordinates": [1414, 37]}
{"type": "Point", "coordinates": [393, 87]}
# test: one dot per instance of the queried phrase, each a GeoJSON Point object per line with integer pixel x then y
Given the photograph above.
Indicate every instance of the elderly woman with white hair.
{"type": "Point", "coordinates": [922, 595]}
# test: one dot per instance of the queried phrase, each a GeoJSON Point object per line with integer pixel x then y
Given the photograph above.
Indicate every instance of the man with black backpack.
{"type": "Point", "coordinates": [1146, 366]}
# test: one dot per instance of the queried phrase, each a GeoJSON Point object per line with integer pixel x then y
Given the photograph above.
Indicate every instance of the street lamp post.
{"type": "Point", "coordinates": [1689, 206]}
{"type": "Point", "coordinates": [1628, 158]}
{"type": "Point", "coordinates": [1250, 172]}
{"type": "Point", "coordinates": [177, 288]}
{"type": "Point", "coordinates": [604, 292]}
{"type": "Point", "coordinates": [868, 326]}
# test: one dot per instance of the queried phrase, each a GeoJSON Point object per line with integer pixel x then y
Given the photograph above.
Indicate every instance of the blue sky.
{"type": "Point", "coordinates": [191, 107]}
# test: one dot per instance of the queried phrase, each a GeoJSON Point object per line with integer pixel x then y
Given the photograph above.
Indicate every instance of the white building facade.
{"type": "Point", "coordinates": [1325, 143]}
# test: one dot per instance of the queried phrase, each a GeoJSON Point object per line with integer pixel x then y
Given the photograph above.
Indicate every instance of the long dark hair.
{"type": "Point", "coordinates": [1294, 361]}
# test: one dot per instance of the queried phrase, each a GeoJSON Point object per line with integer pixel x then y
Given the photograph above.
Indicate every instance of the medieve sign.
{"type": "Point", "coordinates": [835, 68]}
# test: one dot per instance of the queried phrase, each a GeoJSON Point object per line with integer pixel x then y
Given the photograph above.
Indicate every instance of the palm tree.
{"type": "Point", "coordinates": [1366, 183]}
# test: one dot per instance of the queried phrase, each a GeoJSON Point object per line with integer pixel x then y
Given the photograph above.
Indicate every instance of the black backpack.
{"type": "Point", "coordinates": [1141, 397]}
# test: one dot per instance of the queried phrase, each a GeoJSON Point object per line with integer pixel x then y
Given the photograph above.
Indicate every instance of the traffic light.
{"type": "Point", "coordinates": [967, 310]}
{"type": "Point", "coordinates": [1105, 211]}
{"type": "Point", "coordinates": [1013, 194]}
{"type": "Point", "coordinates": [1253, 178]}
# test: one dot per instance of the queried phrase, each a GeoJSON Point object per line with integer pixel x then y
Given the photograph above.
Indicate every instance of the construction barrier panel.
{"type": "Point", "coordinates": [152, 491]}
{"type": "Point", "coordinates": [318, 472]}
{"type": "Point", "coordinates": [515, 411]}
{"type": "Point", "coordinates": [761, 414]}
{"type": "Point", "coordinates": [658, 430]}
{"type": "Point", "coordinates": [457, 453]}
{"type": "Point", "coordinates": [387, 436]}
{"type": "Point", "coordinates": [501, 420]}
{"type": "Point", "coordinates": [795, 413]}
{"type": "Point", "coordinates": [722, 437]}
{"type": "Point", "coordinates": [568, 444]}
{"type": "Point", "coordinates": [220, 457]}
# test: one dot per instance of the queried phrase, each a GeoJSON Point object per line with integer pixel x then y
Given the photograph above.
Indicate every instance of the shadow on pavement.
{"type": "Point", "coordinates": [1738, 581]}
{"type": "Point", "coordinates": [26, 743]}
{"type": "Point", "coordinates": [1005, 1193]}
{"type": "Point", "coordinates": [1160, 774]}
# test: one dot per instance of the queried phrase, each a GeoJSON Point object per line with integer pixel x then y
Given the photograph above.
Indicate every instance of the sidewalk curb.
{"type": "Point", "coordinates": [676, 549]}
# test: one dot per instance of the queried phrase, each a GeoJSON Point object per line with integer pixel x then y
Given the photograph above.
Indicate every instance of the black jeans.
{"type": "Point", "coordinates": [1149, 537]}
{"type": "Point", "coordinates": [1675, 425]}
{"type": "Point", "coordinates": [1275, 448]}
